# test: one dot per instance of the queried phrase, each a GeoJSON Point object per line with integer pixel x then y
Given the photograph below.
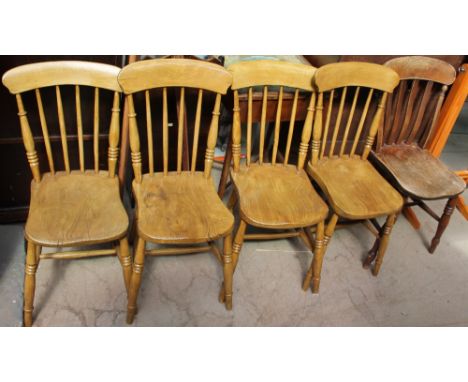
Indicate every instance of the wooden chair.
{"type": "Point", "coordinates": [353, 187]}
{"type": "Point", "coordinates": [176, 207]}
{"type": "Point", "coordinates": [70, 208]}
{"type": "Point", "coordinates": [410, 119]}
{"type": "Point", "coordinates": [274, 195]}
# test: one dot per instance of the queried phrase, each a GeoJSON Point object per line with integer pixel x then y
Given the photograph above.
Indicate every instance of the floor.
{"type": "Point", "coordinates": [414, 287]}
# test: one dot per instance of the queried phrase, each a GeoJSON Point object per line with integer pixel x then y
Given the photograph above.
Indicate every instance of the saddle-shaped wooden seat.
{"type": "Point", "coordinates": [277, 197]}
{"type": "Point", "coordinates": [180, 207]}
{"type": "Point", "coordinates": [355, 189]}
{"type": "Point", "coordinates": [412, 169]}
{"type": "Point", "coordinates": [76, 208]}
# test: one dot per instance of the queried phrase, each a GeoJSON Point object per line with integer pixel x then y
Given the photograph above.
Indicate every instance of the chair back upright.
{"type": "Point", "coordinates": [366, 85]}
{"type": "Point", "coordinates": [268, 73]}
{"type": "Point", "coordinates": [413, 111]}
{"type": "Point", "coordinates": [59, 75]}
{"type": "Point", "coordinates": [160, 74]}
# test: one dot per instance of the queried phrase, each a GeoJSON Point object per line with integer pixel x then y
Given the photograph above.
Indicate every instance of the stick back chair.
{"type": "Point", "coordinates": [354, 189]}
{"type": "Point", "coordinates": [70, 208]}
{"type": "Point", "coordinates": [410, 121]}
{"type": "Point", "coordinates": [274, 195]}
{"type": "Point", "coordinates": [176, 207]}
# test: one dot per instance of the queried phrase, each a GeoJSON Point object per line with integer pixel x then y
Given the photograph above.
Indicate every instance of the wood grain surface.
{"type": "Point", "coordinates": [354, 188]}
{"type": "Point", "coordinates": [418, 173]}
{"type": "Point", "coordinates": [76, 208]}
{"type": "Point", "coordinates": [181, 208]}
{"type": "Point", "coordinates": [277, 196]}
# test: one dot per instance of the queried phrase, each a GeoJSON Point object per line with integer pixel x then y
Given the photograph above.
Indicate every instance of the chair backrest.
{"type": "Point", "coordinates": [265, 73]}
{"type": "Point", "coordinates": [60, 74]}
{"type": "Point", "coordinates": [147, 75]}
{"type": "Point", "coordinates": [413, 111]}
{"type": "Point", "coordinates": [368, 84]}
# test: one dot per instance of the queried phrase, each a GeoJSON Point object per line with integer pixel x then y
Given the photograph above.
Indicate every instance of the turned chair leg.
{"type": "Point", "coordinates": [228, 271]}
{"type": "Point", "coordinates": [29, 283]}
{"type": "Point", "coordinates": [443, 223]}
{"type": "Point", "coordinates": [372, 254]}
{"type": "Point", "coordinates": [329, 230]}
{"type": "Point", "coordinates": [126, 262]}
{"type": "Point", "coordinates": [236, 247]}
{"type": "Point", "coordinates": [383, 243]}
{"type": "Point", "coordinates": [135, 279]}
{"type": "Point", "coordinates": [316, 266]}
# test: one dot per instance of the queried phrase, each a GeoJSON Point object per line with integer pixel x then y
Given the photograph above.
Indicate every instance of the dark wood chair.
{"type": "Point", "coordinates": [176, 207]}
{"type": "Point", "coordinates": [274, 194]}
{"type": "Point", "coordinates": [410, 120]}
{"type": "Point", "coordinates": [353, 187]}
{"type": "Point", "coordinates": [70, 208]}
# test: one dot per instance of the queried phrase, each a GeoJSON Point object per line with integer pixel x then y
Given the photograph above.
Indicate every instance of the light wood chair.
{"type": "Point", "coordinates": [353, 187]}
{"type": "Point", "coordinates": [70, 208]}
{"type": "Point", "coordinates": [275, 195]}
{"type": "Point", "coordinates": [410, 121]}
{"type": "Point", "coordinates": [176, 207]}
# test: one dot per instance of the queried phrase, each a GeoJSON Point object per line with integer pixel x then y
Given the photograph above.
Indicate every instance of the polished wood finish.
{"type": "Point", "coordinates": [418, 174]}
{"type": "Point", "coordinates": [44, 74]}
{"type": "Point", "coordinates": [174, 72]}
{"type": "Point", "coordinates": [176, 207]}
{"type": "Point", "coordinates": [274, 195]}
{"type": "Point", "coordinates": [333, 76]}
{"type": "Point", "coordinates": [71, 207]}
{"type": "Point", "coordinates": [277, 197]}
{"type": "Point", "coordinates": [75, 209]}
{"type": "Point", "coordinates": [403, 155]}
{"type": "Point", "coordinates": [353, 188]}
{"type": "Point", "coordinates": [180, 208]}
{"type": "Point", "coordinates": [251, 100]}
{"type": "Point", "coordinates": [247, 74]}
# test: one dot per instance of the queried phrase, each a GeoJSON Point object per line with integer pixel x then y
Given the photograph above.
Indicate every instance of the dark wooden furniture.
{"type": "Point", "coordinates": [70, 208]}
{"type": "Point", "coordinates": [411, 116]}
{"type": "Point", "coordinates": [354, 189]}
{"type": "Point", "coordinates": [179, 206]}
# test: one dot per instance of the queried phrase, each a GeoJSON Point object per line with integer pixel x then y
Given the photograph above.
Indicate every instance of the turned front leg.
{"type": "Point", "coordinates": [383, 243]}
{"type": "Point", "coordinates": [126, 262]}
{"type": "Point", "coordinates": [228, 271]}
{"type": "Point", "coordinates": [29, 283]}
{"type": "Point", "coordinates": [316, 266]}
{"type": "Point", "coordinates": [135, 279]}
{"type": "Point", "coordinates": [236, 248]}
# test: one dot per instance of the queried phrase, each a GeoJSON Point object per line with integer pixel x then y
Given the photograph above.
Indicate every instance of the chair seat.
{"type": "Point", "coordinates": [181, 208]}
{"type": "Point", "coordinates": [418, 173]}
{"type": "Point", "coordinates": [354, 188]}
{"type": "Point", "coordinates": [75, 209]}
{"type": "Point", "coordinates": [277, 196]}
